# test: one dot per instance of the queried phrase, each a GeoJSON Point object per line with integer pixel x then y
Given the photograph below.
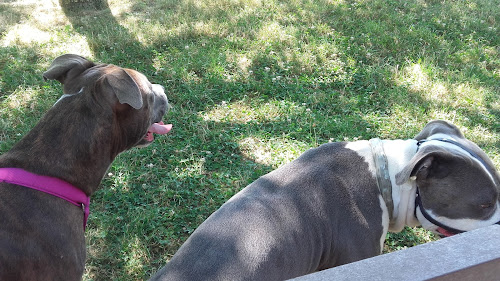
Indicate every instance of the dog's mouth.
{"type": "Point", "coordinates": [444, 233]}
{"type": "Point", "coordinates": [157, 128]}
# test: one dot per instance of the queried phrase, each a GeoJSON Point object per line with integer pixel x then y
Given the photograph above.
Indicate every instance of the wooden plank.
{"type": "Point", "coordinates": [473, 255]}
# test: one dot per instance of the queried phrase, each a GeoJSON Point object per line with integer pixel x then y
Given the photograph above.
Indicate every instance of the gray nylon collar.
{"type": "Point", "coordinates": [383, 179]}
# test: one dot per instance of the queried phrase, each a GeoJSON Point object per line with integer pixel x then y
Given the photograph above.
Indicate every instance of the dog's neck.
{"type": "Point", "coordinates": [399, 153]}
{"type": "Point", "coordinates": [382, 172]}
{"type": "Point", "coordinates": [67, 153]}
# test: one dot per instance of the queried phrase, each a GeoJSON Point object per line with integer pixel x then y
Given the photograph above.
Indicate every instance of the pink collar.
{"type": "Point", "coordinates": [50, 185]}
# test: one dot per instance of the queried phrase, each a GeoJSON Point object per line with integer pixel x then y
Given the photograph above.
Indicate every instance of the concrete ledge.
{"type": "Point", "coordinates": [473, 255]}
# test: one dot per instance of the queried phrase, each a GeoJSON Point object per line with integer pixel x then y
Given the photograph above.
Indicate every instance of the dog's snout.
{"type": "Point", "coordinates": [161, 104]}
{"type": "Point", "coordinates": [158, 90]}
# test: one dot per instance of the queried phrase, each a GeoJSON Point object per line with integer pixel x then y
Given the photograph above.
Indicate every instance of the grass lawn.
{"type": "Point", "coordinates": [253, 84]}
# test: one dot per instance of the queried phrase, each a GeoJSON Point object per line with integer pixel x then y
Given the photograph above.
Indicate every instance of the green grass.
{"type": "Point", "coordinates": [253, 84]}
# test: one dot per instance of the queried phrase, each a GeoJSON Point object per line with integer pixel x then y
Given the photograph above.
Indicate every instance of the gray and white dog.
{"type": "Point", "coordinates": [335, 203]}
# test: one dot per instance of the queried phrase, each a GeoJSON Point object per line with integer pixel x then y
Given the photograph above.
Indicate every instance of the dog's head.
{"type": "Point", "coordinates": [134, 106]}
{"type": "Point", "coordinates": [458, 184]}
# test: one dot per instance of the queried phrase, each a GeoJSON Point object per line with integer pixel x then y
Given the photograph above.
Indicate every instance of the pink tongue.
{"type": "Point", "coordinates": [158, 128]}
{"type": "Point", "coordinates": [445, 232]}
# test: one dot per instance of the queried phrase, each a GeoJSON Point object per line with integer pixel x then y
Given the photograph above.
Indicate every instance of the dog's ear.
{"type": "Point", "coordinates": [426, 164]}
{"type": "Point", "coordinates": [124, 87]}
{"type": "Point", "coordinates": [439, 127]}
{"type": "Point", "coordinates": [67, 67]}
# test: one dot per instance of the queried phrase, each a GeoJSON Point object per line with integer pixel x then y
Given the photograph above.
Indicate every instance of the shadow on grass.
{"type": "Point", "coordinates": [195, 67]}
{"type": "Point", "coordinates": [158, 195]}
{"type": "Point", "coordinates": [108, 40]}
{"type": "Point", "coordinates": [201, 171]}
{"type": "Point", "coordinates": [20, 66]}
{"type": "Point", "coordinates": [9, 16]}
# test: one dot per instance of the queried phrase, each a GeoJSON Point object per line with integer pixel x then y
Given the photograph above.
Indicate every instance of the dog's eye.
{"type": "Point", "coordinates": [486, 205]}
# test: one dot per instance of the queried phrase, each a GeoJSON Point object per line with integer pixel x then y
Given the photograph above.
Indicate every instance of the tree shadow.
{"type": "Point", "coordinates": [350, 99]}
{"type": "Point", "coordinates": [9, 15]}
{"type": "Point", "coordinates": [196, 66]}
{"type": "Point", "coordinates": [202, 170]}
{"type": "Point", "coordinates": [18, 64]}
{"type": "Point", "coordinates": [367, 55]}
{"type": "Point", "coordinates": [108, 40]}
